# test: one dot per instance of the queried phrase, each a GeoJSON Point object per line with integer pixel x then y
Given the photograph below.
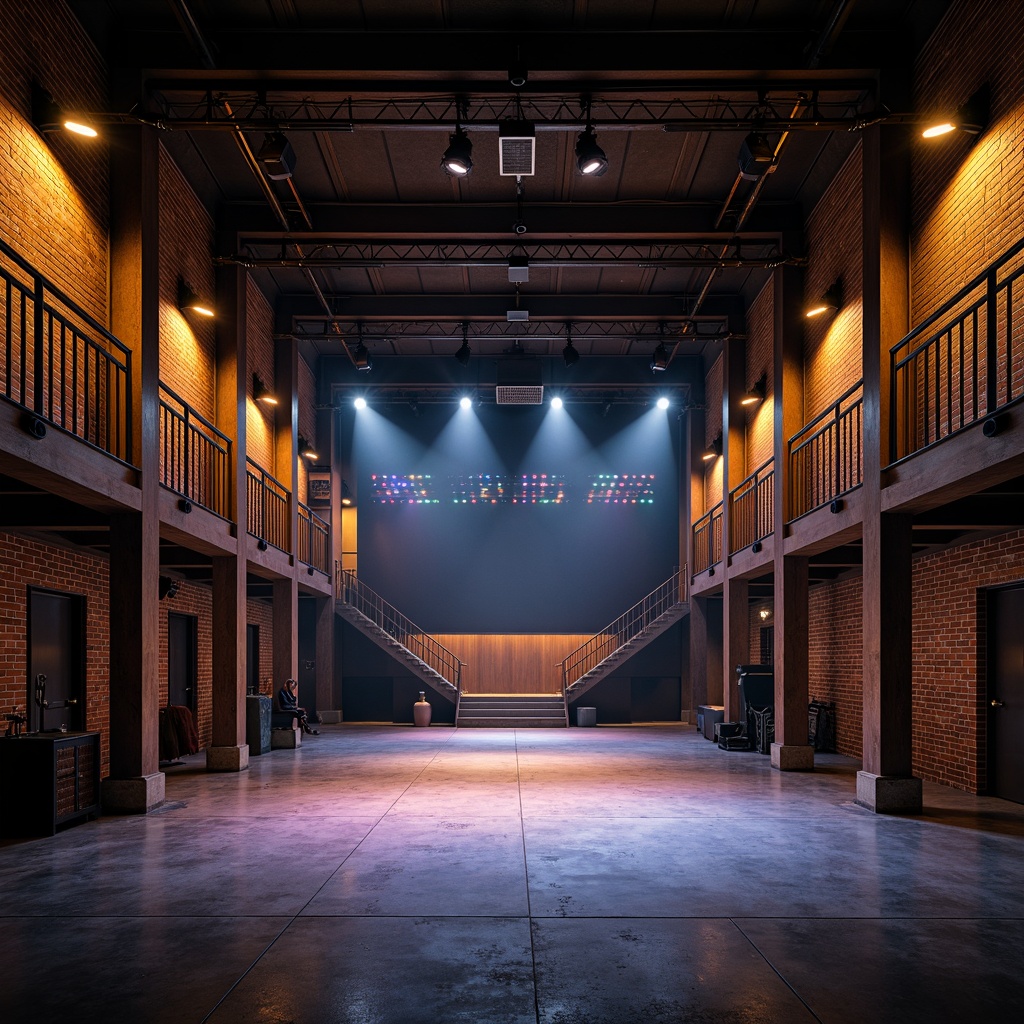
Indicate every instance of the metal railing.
{"type": "Point", "coordinates": [752, 508]}
{"type": "Point", "coordinates": [59, 363]}
{"type": "Point", "coordinates": [961, 364]}
{"type": "Point", "coordinates": [314, 540]}
{"type": "Point", "coordinates": [707, 540]}
{"type": "Point", "coordinates": [267, 506]}
{"type": "Point", "coordinates": [826, 458]}
{"type": "Point", "coordinates": [195, 457]}
{"type": "Point", "coordinates": [626, 627]}
{"type": "Point", "coordinates": [357, 595]}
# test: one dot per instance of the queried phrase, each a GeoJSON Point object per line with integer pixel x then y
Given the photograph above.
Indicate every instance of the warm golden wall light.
{"type": "Point", "coordinates": [971, 118]}
{"type": "Point", "coordinates": [829, 302]}
{"type": "Point", "coordinates": [48, 117]}
{"type": "Point", "coordinates": [714, 450]}
{"type": "Point", "coordinates": [189, 300]}
{"type": "Point", "coordinates": [260, 391]}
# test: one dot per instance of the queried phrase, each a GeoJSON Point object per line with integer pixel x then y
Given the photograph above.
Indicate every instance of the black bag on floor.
{"type": "Point", "coordinates": [764, 729]}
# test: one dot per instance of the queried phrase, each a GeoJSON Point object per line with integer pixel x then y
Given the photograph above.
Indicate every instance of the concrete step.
{"type": "Point", "coordinates": [511, 723]}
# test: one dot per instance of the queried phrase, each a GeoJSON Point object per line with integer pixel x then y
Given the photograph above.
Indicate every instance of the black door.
{"type": "Point", "coordinates": [181, 660]}
{"type": "Point", "coordinates": [1006, 694]}
{"type": "Point", "coordinates": [56, 661]}
{"type": "Point", "coordinates": [252, 659]}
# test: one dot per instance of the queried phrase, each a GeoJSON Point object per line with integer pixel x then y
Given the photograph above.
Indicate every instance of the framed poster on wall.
{"type": "Point", "coordinates": [318, 487]}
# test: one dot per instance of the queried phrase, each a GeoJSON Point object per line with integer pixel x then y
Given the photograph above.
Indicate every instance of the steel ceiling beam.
{"type": "Point", "coordinates": [652, 221]}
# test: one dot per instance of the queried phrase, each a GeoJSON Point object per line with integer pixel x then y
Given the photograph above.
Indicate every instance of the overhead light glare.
{"type": "Point", "coordinates": [938, 129]}
{"type": "Point", "coordinates": [663, 403]}
{"type": "Point", "coordinates": [465, 402]}
{"type": "Point", "coordinates": [556, 402]}
{"type": "Point", "coordinates": [360, 402]}
{"type": "Point", "coordinates": [79, 128]}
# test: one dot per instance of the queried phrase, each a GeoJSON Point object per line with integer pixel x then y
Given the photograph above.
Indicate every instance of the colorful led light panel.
{"type": "Point", "coordinates": [398, 489]}
{"type": "Point", "coordinates": [621, 489]}
{"type": "Point", "coordinates": [479, 489]}
{"type": "Point", "coordinates": [538, 489]}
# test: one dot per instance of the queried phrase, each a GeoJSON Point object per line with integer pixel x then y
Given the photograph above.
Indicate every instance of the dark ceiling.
{"type": "Point", "coordinates": [369, 235]}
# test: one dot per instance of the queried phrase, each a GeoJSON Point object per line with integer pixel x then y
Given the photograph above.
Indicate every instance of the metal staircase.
{"type": "Point", "coordinates": [629, 633]}
{"type": "Point", "coordinates": [390, 630]}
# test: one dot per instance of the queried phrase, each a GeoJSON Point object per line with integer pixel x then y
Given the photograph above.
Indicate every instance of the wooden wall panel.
{"type": "Point", "coordinates": [512, 662]}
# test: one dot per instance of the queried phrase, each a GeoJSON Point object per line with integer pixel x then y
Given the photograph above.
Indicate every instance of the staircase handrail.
{"type": "Point", "coordinates": [626, 627]}
{"type": "Point", "coordinates": [356, 594]}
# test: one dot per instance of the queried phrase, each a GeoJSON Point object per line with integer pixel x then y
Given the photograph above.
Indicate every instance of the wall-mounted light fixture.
{"type": "Point", "coordinates": [48, 116]}
{"type": "Point", "coordinates": [971, 118]}
{"type": "Point", "coordinates": [262, 544]}
{"type": "Point", "coordinates": [306, 450]}
{"type": "Point", "coordinates": [464, 353]}
{"type": "Point", "coordinates": [185, 506]}
{"type": "Point", "coordinates": [168, 587]}
{"type": "Point", "coordinates": [713, 450]}
{"type": "Point", "coordinates": [830, 302]}
{"type": "Point", "coordinates": [755, 396]}
{"type": "Point", "coordinates": [189, 300]}
{"type": "Point", "coordinates": [765, 614]}
{"type": "Point", "coordinates": [260, 391]}
{"type": "Point", "coordinates": [346, 495]}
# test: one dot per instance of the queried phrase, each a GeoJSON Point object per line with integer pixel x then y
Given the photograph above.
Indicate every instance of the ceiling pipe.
{"type": "Point", "coordinates": [194, 34]}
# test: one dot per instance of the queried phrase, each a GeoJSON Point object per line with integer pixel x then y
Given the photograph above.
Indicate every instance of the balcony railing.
{"type": "Point", "coordinates": [707, 540]}
{"type": "Point", "coordinates": [267, 506]}
{"type": "Point", "coordinates": [195, 457]}
{"type": "Point", "coordinates": [314, 540]}
{"type": "Point", "coordinates": [963, 364]}
{"type": "Point", "coordinates": [751, 508]}
{"type": "Point", "coordinates": [59, 364]}
{"type": "Point", "coordinates": [826, 458]}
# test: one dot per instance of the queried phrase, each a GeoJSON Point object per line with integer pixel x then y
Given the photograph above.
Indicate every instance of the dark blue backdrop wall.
{"type": "Point", "coordinates": [516, 519]}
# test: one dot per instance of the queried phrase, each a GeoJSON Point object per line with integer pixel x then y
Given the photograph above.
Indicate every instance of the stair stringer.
{"type": "Point", "coordinates": [386, 642]}
{"type": "Point", "coordinates": [604, 668]}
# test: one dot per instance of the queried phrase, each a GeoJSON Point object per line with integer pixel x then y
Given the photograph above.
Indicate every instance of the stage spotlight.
{"type": "Point", "coordinates": [590, 157]}
{"type": "Point", "coordinates": [361, 357]}
{"type": "Point", "coordinates": [360, 402]}
{"type": "Point", "coordinates": [556, 402]}
{"type": "Point", "coordinates": [659, 358]}
{"type": "Point", "coordinates": [465, 402]}
{"type": "Point", "coordinates": [663, 403]}
{"type": "Point", "coordinates": [464, 353]}
{"type": "Point", "coordinates": [458, 157]}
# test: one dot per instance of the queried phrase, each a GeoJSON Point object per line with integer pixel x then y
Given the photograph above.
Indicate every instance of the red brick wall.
{"type": "Point", "coordinates": [261, 613]}
{"type": "Point", "coordinates": [25, 563]}
{"type": "Point", "coordinates": [832, 343]}
{"type": "Point", "coordinates": [187, 344]}
{"type": "Point", "coordinates": [835, 667]}
{"type": "Point", "coordinates": [259, 420]}
{"type": "Point", "coordinates": [760, 339]}
{"type": "Point", "coordinates": [193, 599]}
{"type": "Point", "coordinates": [54, 193]}
{"type": "Point", "coordinates": [967, 190]}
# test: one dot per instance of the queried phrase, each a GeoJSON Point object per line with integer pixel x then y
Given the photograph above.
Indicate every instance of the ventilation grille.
{"type": "Point", "coordinates": [516, 149]}
{"type": "Point", "coordinates": [519, 394]}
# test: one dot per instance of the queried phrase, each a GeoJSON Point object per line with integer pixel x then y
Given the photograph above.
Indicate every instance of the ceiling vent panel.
{"type": "Point", "coordinates": [519, 394]}
{"type": "Point", "coordinates": [516, 149]}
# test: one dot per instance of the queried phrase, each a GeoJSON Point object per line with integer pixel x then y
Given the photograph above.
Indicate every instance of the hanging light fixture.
{"type": "Point", "coordinates": [277, 157]}
{"type": "Point", "coordinates": [659, 358]}
{"type": "Point", "coordinates": [361, 356]}
{"type": "Point", "coordinates": [569, 354]}
{"type": "Point", "coordinates": [590, 157]}
{"type": "Point", "coordinates": [458, 157]}
{"type": "Point", "coordinates": [464, 353]}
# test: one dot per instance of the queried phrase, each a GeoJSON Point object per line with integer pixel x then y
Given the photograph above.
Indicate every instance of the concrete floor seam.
{"type": "Point", "coordinates": [526, 875]}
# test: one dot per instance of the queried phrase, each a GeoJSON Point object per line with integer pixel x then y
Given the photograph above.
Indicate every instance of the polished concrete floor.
{"type": "Point", "coordinates": [389, 874]}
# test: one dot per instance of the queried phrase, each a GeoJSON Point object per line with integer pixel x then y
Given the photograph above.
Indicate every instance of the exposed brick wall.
{"type": "Point", "coordinates": [832, 343]}
{"type": "Point", "coordinates": [760, 338]}
{"type": "Point", "coordinates": [193, 599]}
{"type": "Point", "coordinates": [307, 423]}
{"type": "Point", "coordinates": [949, 656]}
{"type": "Point", "coordinates": [259, 418]}
{"type": "Point", "coordinates": [261, 614]}
{"type": "Point", "coordinates": [835, 666]}
{"type": "Point", "coordinates": [26, 562]}
{"type": "Point", "coordinates": [187, 343]}
{"type": "Point", "coordinates": [966, 206]}
{"type": "Point", "coordinates": [54, 193]}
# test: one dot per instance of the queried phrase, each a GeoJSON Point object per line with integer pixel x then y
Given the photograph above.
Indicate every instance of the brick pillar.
{"type": "Point", "coordinates": [790, 751]}
{"type": "Point", "coordinates": [286, 631]}
{"type": "Point", "coordinates": [886, 783]}
{"type": "Point", "coordinates": [228, 750]}
{"type": "Point", "coordinates": [135, 783]}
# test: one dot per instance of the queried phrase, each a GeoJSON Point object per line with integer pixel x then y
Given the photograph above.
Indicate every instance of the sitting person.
{"type": "Point", "coordinates": [288, 698]}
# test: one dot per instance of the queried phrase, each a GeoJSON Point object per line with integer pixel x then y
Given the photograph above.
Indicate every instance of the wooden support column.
{"type": "Point", "coordinates": [699, 654]}
{"type": "Point", "coordinates": [286, 631]}
{"type": "Point", "coordinates": [228, 750]}
{"type": "Point", "coordinates": [135, 783]}
{"type": "Point", "coordinates": [735, 593]}
{"type": "Point", "coordinates": [790, 751]}
{"type": "Point", "coordinates": [886, 783]}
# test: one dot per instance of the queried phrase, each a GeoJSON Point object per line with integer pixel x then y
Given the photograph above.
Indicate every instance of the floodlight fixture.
{"type": "Point", "coordinates": [260, 391]}
{"type": "Point", "coordinates": [714, 449]}
{"type": "Point", "coordinates": [306, 450]}
{"type": "Point", "coordinates": [971, 118]}
{"type": "Point", "coordinates": [830, 302]}
{"type": "Point", "coordinates": [276, 157]}
{"type": "Point", "coordinates": [755, 396]}
{"type": "Point", "coordinates": [464, 353]}
{"type": "Point", "coordinates": [189, 300]}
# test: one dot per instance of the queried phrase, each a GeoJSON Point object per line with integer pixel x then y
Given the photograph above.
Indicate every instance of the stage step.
{"type": "Point", "coordinates": [512, 711]}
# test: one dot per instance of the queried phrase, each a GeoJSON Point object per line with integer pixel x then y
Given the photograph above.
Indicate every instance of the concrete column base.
{"type": "Point", "coordinates": [285, 739]}
{"type": "Point", "coordinates": [791, 757]}
{"type": "Point", "coordinates": [227, 759]}
{"type": "Point", "coordinates": [889, 794]}
{"type": "Point", "coordinates": [331, 717]}
{"type": "Point", "coordinates": [132, 796]}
